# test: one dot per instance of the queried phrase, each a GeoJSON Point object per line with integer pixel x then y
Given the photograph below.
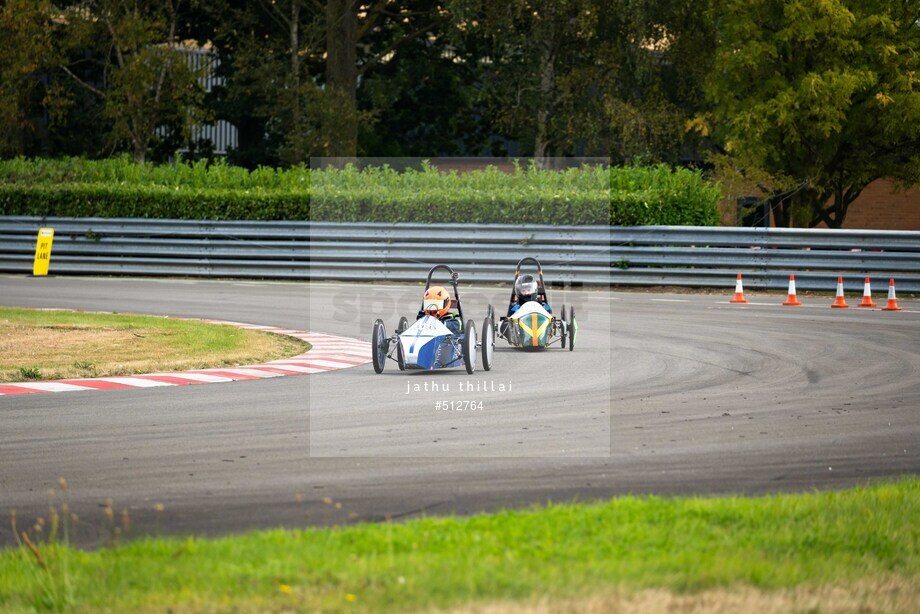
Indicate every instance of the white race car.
{"type": "Point", "coordinates": [431, 343]}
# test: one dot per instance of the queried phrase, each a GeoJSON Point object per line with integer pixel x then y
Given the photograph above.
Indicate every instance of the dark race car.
{"type": "Point", "coordinates": [530, 322]}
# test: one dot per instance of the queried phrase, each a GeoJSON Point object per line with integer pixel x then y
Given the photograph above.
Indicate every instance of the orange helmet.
{"type": "Point", "coordinates": [436, 301]}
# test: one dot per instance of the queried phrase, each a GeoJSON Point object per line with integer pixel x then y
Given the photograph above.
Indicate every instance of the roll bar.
{"type": "Point", "coordinates": [541, 287]}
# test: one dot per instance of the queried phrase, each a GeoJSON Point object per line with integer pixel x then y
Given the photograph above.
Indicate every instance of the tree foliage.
{"type": "Point", "coordinates": [807, 101]}
{"type": "Point", "coordinates": [818, 98]}
{"type": "Point", "coordinates": [308, 78]}
{"type": "Point", "coordinates": [25, 29]}
{"type": "Point", "coordinates": [584, 76]}
{"type": "Point", "coordinates": [271, 51]}
{"type": "Point", "coordinates": [145, 81]}
{"type": "Point", "coordinates": [362, 38]}
{"type": "Point", "coordinates": [660, 52]}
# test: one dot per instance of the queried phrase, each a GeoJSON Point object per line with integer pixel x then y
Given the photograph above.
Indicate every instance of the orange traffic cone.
{"type": "Point", "coordinates": [867, 296]}
{"type": "Point", "coordinates": [792, 301]}
{"type": "Point", "coordinates": [892, 299]}
{"type": "Point", "coordinates": [739, 292]}
{"type": "Point", "coordinates": [839, 302]}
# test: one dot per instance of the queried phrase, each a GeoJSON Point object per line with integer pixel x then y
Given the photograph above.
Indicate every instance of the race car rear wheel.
{"type": "Point", "coordinates": [469, 347]}
{"type": "Point", "coordinates": [564, 332]}
{"type": "Point", "coordinates": [379, 346]}
{"type": "Point", "coordinates": [571, 327]}
{"type": "Point", "coordinates": [488, 343]}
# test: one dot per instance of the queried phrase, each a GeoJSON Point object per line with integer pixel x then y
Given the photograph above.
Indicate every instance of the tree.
{"type": "Point", "coordinates": [271, 54]}
{"type": "Point", "coordinates": [818, 98]}
{"type": "Point", "coordinates": [359, 38]}
{"type": "Point", "coordinates": [533, 55]}
{"type": "Point", "coordinates": [425, 102]}
{"type": "Point", "coordinates": [293, 71]}
{"type": "Point", "coordinates": [591, 77]}
{"type": "Point", "coordinates": [25, 50]}
{"type": "Point", "coordinates": [342, 74]}
{"type": "Point", "coordinates": [657, 54]}
{"type": "Point", "coordinates": [146, 81]}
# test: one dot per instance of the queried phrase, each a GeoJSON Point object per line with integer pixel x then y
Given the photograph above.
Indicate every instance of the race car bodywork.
{"type": "Point", "coordinates": [429, 344]}
{"type": "Point", "coordinates": [532, 325]}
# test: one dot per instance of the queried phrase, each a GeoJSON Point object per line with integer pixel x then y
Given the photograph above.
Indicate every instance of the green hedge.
{"type": "Point", "coordinates": [100, 200]}
{"type": "Point", "coordinates": [121, 170]}
{"type": "Point", "coordinates": [657, 195]}
{"type": "Point", "coordinates": [575, 196]}
{"type": "Point", "coordinates": [119, 188]}
{"type": "Point", "coordinates": [73, 187]}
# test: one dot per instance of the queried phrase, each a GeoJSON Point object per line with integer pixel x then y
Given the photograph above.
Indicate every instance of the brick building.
{"type": "Point", "coordinates": [882, 207]}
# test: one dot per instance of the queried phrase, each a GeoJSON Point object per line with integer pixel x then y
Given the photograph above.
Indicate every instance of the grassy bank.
{"type": "Point", "coordinates": [846, 544]}
{"type": "Point", "coordinates": [43, 344]}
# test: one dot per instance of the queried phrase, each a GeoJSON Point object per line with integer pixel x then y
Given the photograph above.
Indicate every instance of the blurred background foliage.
{"type": "Point", "coordinates": [803, 102]}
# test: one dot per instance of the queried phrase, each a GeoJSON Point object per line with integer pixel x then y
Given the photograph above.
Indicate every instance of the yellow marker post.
{"type": "Point", "coordinates": [43, 251]}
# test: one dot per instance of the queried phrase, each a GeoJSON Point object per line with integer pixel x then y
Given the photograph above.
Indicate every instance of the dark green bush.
{"type": "Point", "coordinates": [119, 188]}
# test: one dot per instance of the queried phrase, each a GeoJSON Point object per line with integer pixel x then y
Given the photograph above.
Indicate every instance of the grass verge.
{"type": "Point", "coordinates": [43, 344]}
{"type": "Point", "coordinates": [733, 550]}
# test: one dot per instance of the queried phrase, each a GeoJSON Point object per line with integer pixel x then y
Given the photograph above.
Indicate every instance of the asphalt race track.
{"type": "Point", "coordinates": [676, 393]}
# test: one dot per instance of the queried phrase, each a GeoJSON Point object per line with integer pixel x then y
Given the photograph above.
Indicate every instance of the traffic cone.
{"type": "Point", "coordinates": [739, 292]}
{"type": "Point", "coordinates": [892, 299]}
{"type": "Point", "coordinates": [867, 296]}
{"type": "Point", "coordinates": [792, 301]}
{"type": "Point", "coordinates": [839, 302]}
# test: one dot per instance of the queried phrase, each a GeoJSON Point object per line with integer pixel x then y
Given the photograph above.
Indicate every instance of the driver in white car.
{"type": "Point", "coordinates": [437, 303]}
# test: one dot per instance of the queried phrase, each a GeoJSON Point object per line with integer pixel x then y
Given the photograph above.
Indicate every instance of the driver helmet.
{"type": "Point", "coordinates": [436, 301]}
{"type": "Point", "coordinates": [526, 287]}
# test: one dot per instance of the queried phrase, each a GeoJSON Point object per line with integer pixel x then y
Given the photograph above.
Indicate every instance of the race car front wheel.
{"type": "Point", "coordinates": [379, 346]}
{"type": "Point", "coordinates": [572, 329]}
{"type": "Point", "coordinates": [400, 355]}
{"type": "Point", "coordinates": [469, 347]}
{"type": "Point", "coordinates": [488, 343]}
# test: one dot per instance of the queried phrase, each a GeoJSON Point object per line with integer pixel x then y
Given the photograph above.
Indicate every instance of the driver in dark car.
{"type": "Point", "coordinates": [525, 289]}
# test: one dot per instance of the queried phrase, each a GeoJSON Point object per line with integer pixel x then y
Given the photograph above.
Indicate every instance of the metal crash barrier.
{"type": "Point", "coordinates": [580, 255]}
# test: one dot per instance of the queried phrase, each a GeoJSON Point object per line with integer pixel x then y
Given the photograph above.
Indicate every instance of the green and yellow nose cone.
{"type": "Point", "coordinates": [534, 329]}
